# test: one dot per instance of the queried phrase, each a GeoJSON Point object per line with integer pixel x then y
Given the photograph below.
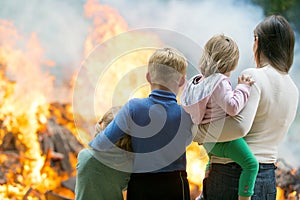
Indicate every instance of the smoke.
{"type": "Point", "coordinates": [200, 20]}
{"type": "Point", "coordinates": [62, 29]}
{"type": "Point", "coordinates": [60, 26]}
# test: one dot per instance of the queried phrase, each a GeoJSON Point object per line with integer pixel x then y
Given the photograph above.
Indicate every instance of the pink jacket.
{"type": "Point", "coordinates": [212, 98]}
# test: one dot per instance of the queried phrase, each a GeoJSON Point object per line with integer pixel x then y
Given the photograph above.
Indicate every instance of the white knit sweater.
{"type": "Point", "coordinates": [265, 120]}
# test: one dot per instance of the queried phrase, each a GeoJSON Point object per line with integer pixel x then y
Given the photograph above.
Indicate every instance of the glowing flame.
{"type": "Point", "coordinates": [108, 23]}
{"type": "Point", "coordinates": [292, 195]}
{"type": "Point", "coordinates": [24, 109]}
{"type": "Point", "coordinates": [281, 195]}
{"type": "Point", "coordinates": [196, 164]}
{"type": "Point", "coordinates": [26, 87]}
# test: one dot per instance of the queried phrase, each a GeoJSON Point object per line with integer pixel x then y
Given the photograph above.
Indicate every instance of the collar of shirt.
{"type": "Point", "coordinates": [163, 94]}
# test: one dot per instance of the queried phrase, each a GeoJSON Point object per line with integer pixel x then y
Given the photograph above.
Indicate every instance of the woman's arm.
{"type": "Point", "coordinates": [230, 128]}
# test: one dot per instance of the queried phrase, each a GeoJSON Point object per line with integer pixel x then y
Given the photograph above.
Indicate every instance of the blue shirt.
{"type": "Point", "coordinates": [160, 131]}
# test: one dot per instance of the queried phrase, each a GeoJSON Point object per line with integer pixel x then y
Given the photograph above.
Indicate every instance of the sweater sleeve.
{"type": "Point", "coordinates": [231, 101]}
{"type": "Point", "coordinates": [231, 128]}
{"type": "Point", "coordinates": [113, 132]}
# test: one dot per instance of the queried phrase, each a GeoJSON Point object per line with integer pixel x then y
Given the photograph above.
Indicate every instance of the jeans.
{"type": "Point", "coordinates": [222, 182]}
{"type": "Point", "coordinates": [238, 150]}
{"type": "Point", "coordinates": [265, 185]}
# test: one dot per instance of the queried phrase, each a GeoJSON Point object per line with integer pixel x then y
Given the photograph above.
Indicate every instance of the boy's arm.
{"type": "Point", "coordinates": [113, 132]}
{"type": "Point", "coordinates": [231, 128]}
{"type": "Point", "coordinates": [231, 101]}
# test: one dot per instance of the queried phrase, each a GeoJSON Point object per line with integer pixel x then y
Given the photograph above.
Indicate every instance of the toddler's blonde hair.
{"type": "Point", "coordinates": [220, 55]}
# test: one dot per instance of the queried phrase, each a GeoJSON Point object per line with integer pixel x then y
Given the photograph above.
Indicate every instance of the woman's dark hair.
{"type": "Point", "coordinates": [276, 42]}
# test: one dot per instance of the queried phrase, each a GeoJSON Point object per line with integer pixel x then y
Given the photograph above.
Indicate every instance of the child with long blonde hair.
{"type": "Point", "coordinates": [98, 179]}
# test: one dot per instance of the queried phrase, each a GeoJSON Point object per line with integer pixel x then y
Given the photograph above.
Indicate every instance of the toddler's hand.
{"type": "Point", "coordinates": [244, 79]}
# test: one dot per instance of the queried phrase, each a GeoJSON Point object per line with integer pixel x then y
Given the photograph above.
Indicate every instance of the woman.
{"type": "Point", "coordinates": [264, 121]}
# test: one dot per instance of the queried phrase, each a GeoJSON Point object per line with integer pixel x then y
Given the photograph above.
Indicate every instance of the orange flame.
{"type": "Point", "coordinates": [25, 89]}
{"type": "Point", "coordinates": [281, 196]}
{"type": "Point", "coordinates": [106, 21]}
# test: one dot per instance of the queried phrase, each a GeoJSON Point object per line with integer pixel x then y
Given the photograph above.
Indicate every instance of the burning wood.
{"type": "Point", "coordinates": [58, 150]}
{"type": "Point", "coordinates": [288, 181]}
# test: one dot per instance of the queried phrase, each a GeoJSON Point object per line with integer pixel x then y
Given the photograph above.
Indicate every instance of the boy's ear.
{"type": "Point", "coordinates": [182, 81]}
{"type": "Point", "coordinates": [148, 77]}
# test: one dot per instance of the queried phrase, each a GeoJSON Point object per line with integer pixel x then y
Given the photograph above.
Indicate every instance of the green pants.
{"type": "Point", "coordinates": [96, 181]}
{"type": "Point", "coordinates": [240, 153]}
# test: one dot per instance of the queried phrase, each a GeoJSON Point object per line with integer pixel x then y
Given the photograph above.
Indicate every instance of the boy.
{"type": "Point", "coordinates": [160, 130]}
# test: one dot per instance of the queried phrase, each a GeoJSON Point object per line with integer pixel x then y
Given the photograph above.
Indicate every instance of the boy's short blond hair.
{"type": "Point", "coordinates": [220, 55]}
{"type": "Point", "coordinates": [165, 65]}
{"type": "Point", "coordinates": [124, 142]}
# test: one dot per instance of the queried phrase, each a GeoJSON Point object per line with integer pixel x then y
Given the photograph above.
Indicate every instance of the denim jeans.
{"type": "Point", "coordinates": [265, 185]}
{"type": "Point", "coordinates": [222, 182]}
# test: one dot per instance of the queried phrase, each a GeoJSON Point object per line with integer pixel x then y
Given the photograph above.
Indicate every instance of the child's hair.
{"type": "Point", "coordinates": [165, 65]}
{"type": "Point", "coordinates": [123, 143]}
{"type": "Point", "coordinates": [220, 55]}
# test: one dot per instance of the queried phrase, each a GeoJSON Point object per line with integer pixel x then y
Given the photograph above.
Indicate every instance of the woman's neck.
{"type": "Point", "coordinates": [263, 61]}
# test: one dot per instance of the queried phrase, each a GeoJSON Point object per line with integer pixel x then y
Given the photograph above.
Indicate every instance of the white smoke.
{"type": "Point", "coordinates": [62, 30]}
{"type": "Point", "coordinates": [200, 20]}
{"type": "Point", "coordinates": [60, 26]}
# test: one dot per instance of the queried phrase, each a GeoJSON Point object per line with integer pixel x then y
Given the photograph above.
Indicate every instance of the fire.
{"type": "Point", "coordinates": [134, 62]}
{"type": "Point", "coordinates": [290, 196]}
{"type": "Point", "coordinates": [196, 164]}
{"type": "Point", "coordinates": [106, 23]}
{"type": "Point", "coordinates": [280, 194]}
{"type": "Point", "coordinates": [24, 109]}
{"type": "Point", "coordinates": [26, 88]}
